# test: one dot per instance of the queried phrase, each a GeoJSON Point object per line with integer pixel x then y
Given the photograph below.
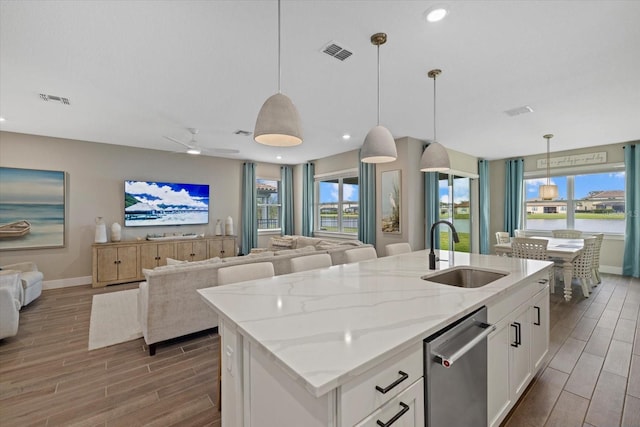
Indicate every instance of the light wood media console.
{"type": "Point", "coordinates": [122, 262]}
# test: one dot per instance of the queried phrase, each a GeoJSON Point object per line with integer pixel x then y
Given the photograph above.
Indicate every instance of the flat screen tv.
{"type": "Point", "coordinates": [149, 203]}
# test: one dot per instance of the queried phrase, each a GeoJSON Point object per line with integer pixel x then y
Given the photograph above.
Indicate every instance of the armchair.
{"type": "Point", "coordinates": [31, 280]}
{"type": "Point", "coordinates": [10, 291]}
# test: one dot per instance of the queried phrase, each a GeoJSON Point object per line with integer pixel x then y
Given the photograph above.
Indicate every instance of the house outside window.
{"type": "Point", "coordinates": [337, 209]}
{"type": "Point", "coordinates": [592, 202]}
{"type": "Point", "coordinates": [269, 204]}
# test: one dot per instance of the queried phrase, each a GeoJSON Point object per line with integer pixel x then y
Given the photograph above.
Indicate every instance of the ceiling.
{"type": "Point", "coordinates": [137, 71]}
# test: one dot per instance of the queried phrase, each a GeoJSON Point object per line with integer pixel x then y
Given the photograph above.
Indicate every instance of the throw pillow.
{"type": "Point", "coordinates": [284, 242]}
{"type": "Point", "coordinates": [171, 261]}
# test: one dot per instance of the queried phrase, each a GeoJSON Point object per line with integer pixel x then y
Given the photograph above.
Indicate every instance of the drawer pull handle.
{"type": "Point", "coordinates": [538, 313]}
{"type": "Point", "coordinates": [515, 343]}
{"type": "Point", "coordinates": [543, 281]}
{"type": "Point", "coordinates": [403, 376]}
{"type": "Point", "coordinates": [395, 418]}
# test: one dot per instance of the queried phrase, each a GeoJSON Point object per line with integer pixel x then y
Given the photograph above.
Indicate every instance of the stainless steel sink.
{"type": "Point", "coordinates": [465, 277]}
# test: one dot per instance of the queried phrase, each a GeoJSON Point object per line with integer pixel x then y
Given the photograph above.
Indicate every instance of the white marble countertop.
{"type": "Point", "coordinates": [326, 326]}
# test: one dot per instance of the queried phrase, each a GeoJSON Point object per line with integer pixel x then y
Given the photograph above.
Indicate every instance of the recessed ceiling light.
{"type": "Point", "coordinates": [436, 14]}
{"type": "Point", "coordinates": [2, 119]}
{"type": "Point", "coordinates": [346, 136]}
{"type": "Point", "coordinates": [279, 157]}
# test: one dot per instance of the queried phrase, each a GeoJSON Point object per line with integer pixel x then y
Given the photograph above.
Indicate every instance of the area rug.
{"type": "Point", "coordinates": [114, 319]}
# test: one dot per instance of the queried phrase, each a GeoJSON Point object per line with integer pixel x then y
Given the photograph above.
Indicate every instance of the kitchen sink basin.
{"type": "Point", "coordinates": [465, 277]}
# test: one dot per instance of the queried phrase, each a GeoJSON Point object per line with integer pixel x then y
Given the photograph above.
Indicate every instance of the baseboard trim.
{"type": "Point", "coordinates": [611, 269]}
{"type": "Point", "coordinates": [67, 283]}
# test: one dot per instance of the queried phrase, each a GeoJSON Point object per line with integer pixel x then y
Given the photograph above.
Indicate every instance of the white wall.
{"type": "Point", "coordinates": [95, 187]}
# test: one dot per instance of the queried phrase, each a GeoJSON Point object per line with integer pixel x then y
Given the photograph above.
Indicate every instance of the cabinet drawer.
{"type": "Point", "coordinates": [498, 310]}
{"type": "Point", "coordinates": [359, 398]}
{"type": "Point", "coordinates": [407, 408]}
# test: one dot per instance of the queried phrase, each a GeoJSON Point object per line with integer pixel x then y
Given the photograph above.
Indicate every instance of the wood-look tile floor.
{"type": "Point", "coordinates": [592, 375]}
{"type": "Point", "coordinates": [48, 377]}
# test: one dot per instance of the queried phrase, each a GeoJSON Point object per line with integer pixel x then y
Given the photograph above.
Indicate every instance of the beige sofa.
{"type": "Point", "coordinates": [170, 307]}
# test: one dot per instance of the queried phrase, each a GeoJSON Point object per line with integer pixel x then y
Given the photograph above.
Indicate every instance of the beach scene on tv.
{"type": "Point", "coordinates": [164, 203]}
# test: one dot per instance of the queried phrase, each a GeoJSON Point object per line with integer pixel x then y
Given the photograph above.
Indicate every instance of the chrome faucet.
{"type": "Point", "coordinates": [432, 254]}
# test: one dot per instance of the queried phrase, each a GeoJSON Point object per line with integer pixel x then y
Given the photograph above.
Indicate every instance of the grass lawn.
{"type": "Point", "coordinates": [463, 246]}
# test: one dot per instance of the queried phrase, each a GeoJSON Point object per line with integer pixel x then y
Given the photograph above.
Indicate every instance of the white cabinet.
{"type": "Point", "coordinates": [539, 329]}
{"type": "Point", "coordinates": [519, 345]}
{"type": "Point", "coordinates": [257, 392]}
{"type": "Point", "coordinates": [405, 410]}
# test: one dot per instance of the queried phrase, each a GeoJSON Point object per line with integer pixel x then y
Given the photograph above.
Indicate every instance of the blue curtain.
{"type": "Point", "coordinates": [431, 208]}
{"type": "Point", "coordinates": [631, 260]}
{"type": "Point", "coordinates": [367, 202]}
{"type": "Point", "coordinates": [513, 194]}
{"type": "Point", "coordinates": [249, 238]}
{"type": "Point", "coordinates": [308, 185]}
{"type": "Point", "coordinates": [485, 200]}
{"type": "Point", "coordinates": [286, 192]}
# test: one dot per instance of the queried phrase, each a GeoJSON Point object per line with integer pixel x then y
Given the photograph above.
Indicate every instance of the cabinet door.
{"type": "Point", "coordinates": [127, 263]}
{"type": "Point", "coordinates": [148, 256]}
{"type": "Point", "coordinates": [165, 250]}
{"type": "Point", "coordinates": [228, 247]}
{"type": "Point", "coordinates": [155, 254]}
{"type": "Point", "coordinates": [184, 251]}
{"type": "Point", "coordinates": [498, 391]}
{"type": "Point", "coordinates": [404, 410]}
{"type": "Point", "coordinates": [539, 313]}
{"type": "Point", "coordinates": [216, 248]}
{"type": "Point", "coordinates": [199, 250]}
{"type": "Point", "coordinates": [107, 264]}
{"type": "Point", "coordinates": [520, 352]}
{"type": "Point", "coordinates": [191, 251]}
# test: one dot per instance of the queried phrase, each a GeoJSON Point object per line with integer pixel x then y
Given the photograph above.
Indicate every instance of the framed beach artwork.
{"type": "Point", "coordinates": [32, 209]}
{"type": "Point", "coordinates": [390, 190]}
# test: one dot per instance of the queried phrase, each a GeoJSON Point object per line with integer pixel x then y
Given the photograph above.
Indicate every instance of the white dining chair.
{"type": "Point", "coordinates": [502, 237]}
{"type": "Point", "coordinates": [519, 233]}
{"type": "Point", "coordinates": [360, 254]}
{"type": "Point", "coordinates": [582, 265]}
{"type": "Point", "coordinates": [310, 262]}
{"type": "Point", "coordinates": [567, 234]}
{"type": "Point", "coordinates": [595, 263]}
{"type": "Point", "coordinates": [243, 272]}
{"type": "Point", "coordinates": [397, 248]}
{"type": "Point", "coordinates": [524, 247]}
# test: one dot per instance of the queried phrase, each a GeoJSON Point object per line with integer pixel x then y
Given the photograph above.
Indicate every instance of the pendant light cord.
{"type": "Point", "coordinates": [434, 108]}
{"type": "Point", "coordinates": [279, 68]}
{"type": "Point", "coordinates": [548, 164]}
{"type": "Point", "coordinates": [378, 85]}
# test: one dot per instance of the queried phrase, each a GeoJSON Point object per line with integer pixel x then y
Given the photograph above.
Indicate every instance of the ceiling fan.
{"type": "Point", "coordinates": [194, 149]}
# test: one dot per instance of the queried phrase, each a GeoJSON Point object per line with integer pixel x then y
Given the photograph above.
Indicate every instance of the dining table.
{"type": "Point", "coordinates": [561, 251]}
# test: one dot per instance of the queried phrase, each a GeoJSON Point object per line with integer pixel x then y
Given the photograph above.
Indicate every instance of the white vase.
{"type": "Point", "coordinates": [116, 232]}
{"type": "Point", "coordinates": [228, 226]}
{"type": "Point", "coordinates": [218, 228]}
{"type": "Point", "coordinates": [101, 231]}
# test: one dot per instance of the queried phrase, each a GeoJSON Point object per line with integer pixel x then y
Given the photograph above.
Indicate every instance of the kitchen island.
{"type": "Point", "coordinates": [305, 348]}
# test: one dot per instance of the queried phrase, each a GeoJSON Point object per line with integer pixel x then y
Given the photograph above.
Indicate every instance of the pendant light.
{"type": "Point", "coordinates": [548, 191]}
{"type": "Point", "coordinates": [379, 145]}
{"type": "Point", "coordinates": [278, 122]}
{"type": "Point", "coordinates": [435, 157]}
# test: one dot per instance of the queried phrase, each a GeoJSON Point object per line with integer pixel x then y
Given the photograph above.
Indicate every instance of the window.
{"type": "Point", "coordinates": [337, 205]}
{"type": "Point", "coordinates": [455, 207]}
{"type": "Point", "coordinates": [269, 204]}
{"type": "Point", "coordinates": [592, 202]}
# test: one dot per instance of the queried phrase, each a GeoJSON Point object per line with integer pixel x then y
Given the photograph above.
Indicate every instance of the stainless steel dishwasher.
{"type": "Point", "coordinates": [455, 373]}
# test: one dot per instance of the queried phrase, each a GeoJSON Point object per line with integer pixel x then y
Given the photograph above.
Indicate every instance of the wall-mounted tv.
{"type": "Point", "coordinates": [149, 203]}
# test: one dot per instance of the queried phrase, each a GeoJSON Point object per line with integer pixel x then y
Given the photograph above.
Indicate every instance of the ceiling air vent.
{"type": "Point", "coordinates": [59, 99]}
{"type": "Point", "coordinates": [520, 110]}
{"type": "Point", "coordinates": [242, 132]}
{"type": "Point", "coordinates": [337, 51]}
